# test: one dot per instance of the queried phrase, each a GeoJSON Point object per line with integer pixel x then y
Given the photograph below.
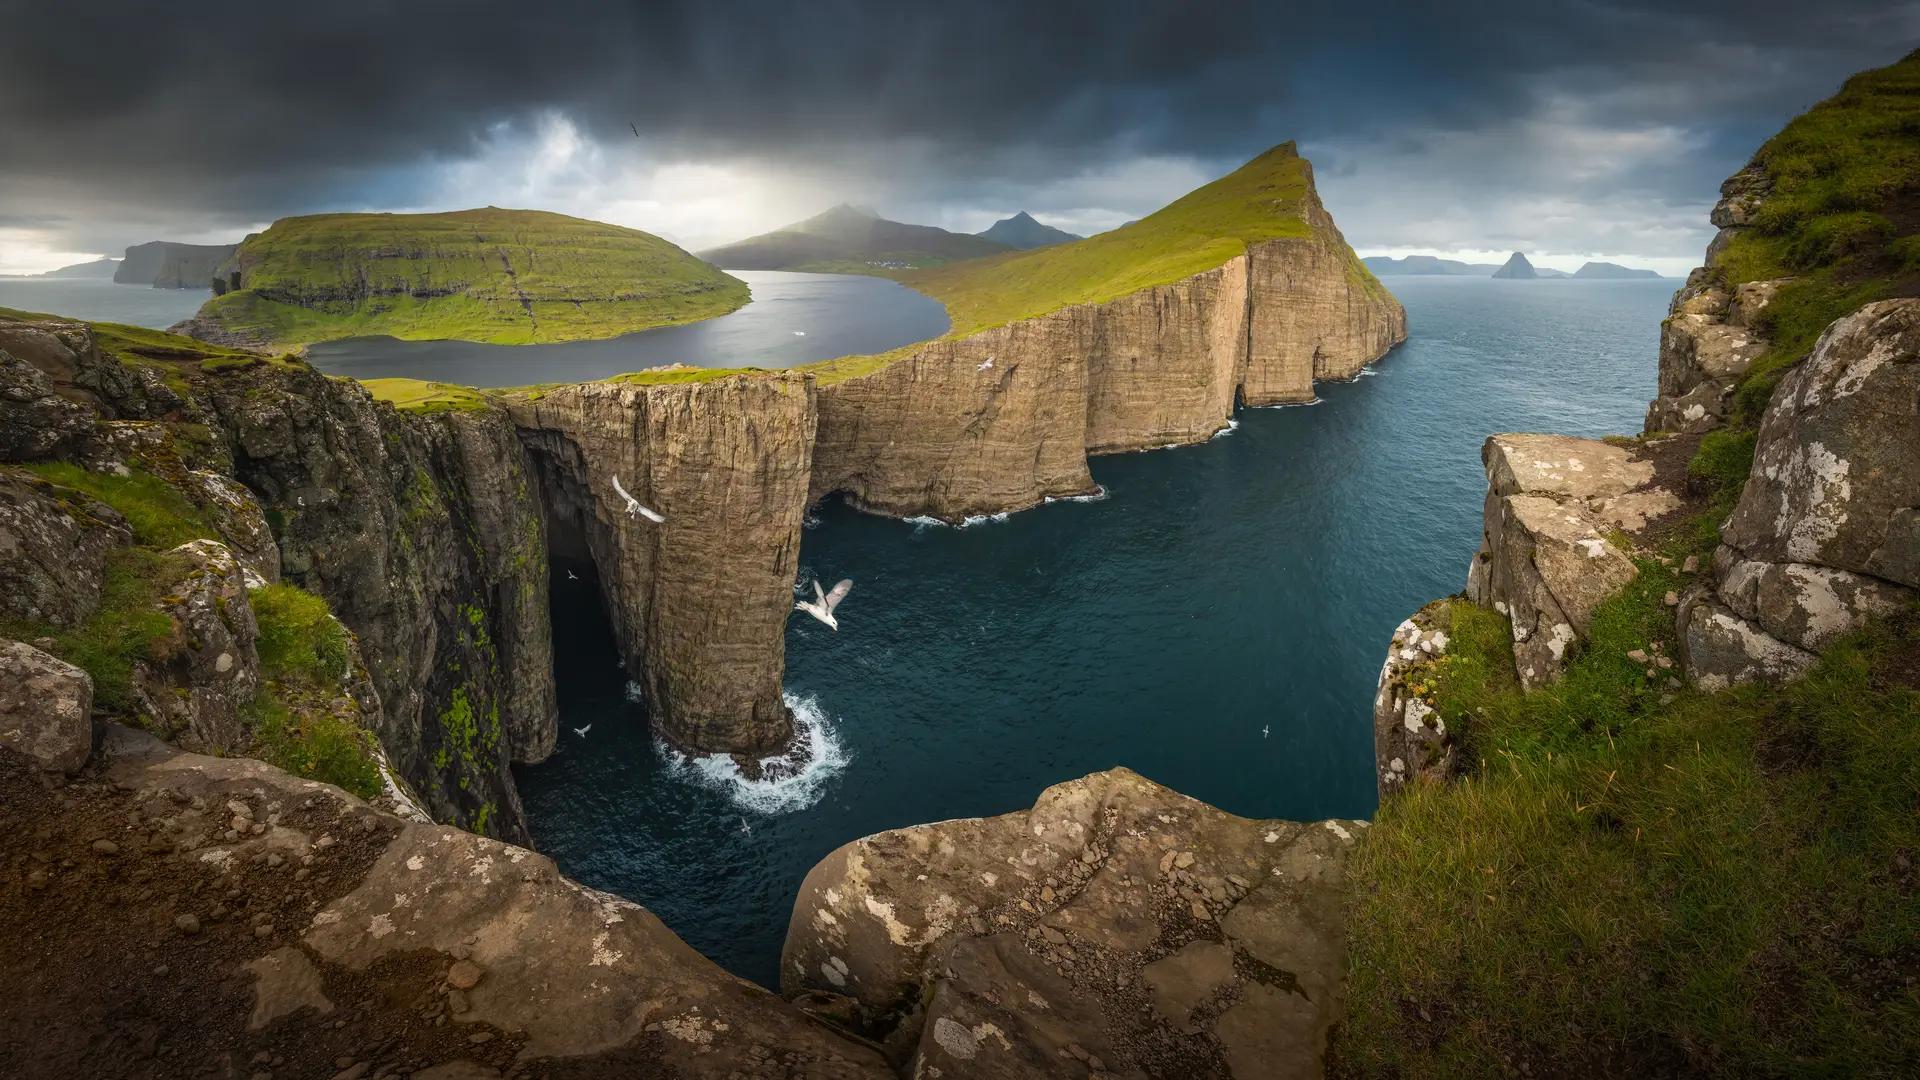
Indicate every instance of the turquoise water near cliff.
{"type": "Point", "coordinates": [1216, 623]}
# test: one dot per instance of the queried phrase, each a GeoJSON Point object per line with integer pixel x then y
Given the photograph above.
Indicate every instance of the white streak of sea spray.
{"type": "Point", "coordinates": [793, 780]}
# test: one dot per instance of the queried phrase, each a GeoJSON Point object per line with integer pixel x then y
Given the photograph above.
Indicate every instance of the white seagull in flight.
{"type": "Point", "coordinates": [582, 731]}
{"type": "Point", "coordinates": [985, 364]}
{"type": "Point", "coordinates": [822, 608]}
{"type": "Point", "coordinates": [633, 504]}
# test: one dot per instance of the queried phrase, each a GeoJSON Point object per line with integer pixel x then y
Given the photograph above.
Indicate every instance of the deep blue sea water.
{"type": "Point", "coordinates": [1217, 623]}
{"type": "Point", "coordinates": [102, 301]}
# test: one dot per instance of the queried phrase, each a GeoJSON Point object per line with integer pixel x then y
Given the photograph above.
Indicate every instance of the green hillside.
{"type": "Point", "coordinates": [503, 276]}
{"type": "Point", "coordinates": [1262, 200]}
{"type": "Point", "coordinates": [850, 240]}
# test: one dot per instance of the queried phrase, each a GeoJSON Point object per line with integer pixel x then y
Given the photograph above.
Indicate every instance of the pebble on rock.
{"type": "Point", "coordinates": [464, 975]}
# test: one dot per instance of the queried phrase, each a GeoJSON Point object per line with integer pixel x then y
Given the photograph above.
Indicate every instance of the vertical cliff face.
{"type": "Point", "coordinates": [1001, 419]}
{"type": "Point", "coordinates": [698, 601]}
{"type": "Point", "coordinates": [422, 531]}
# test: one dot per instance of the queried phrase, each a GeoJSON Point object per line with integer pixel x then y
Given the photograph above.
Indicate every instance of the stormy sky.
{"type": "Point", "coordinates": [1569, 130]}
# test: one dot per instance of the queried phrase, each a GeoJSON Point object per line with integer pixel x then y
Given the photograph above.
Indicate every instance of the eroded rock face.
{"type": "Point", "coordinates": [424, 533]}
{"type": "Point", "coordinates": [45, 708]}
{"type": "Point", "coordinates": [1117, 926]}
{"type": "Point", "coordinates": [34, 421]}
{"type": "Point", "coordinates": [197, 686]}
{"type": "Point", "coordinates": [1003, 419]}
{"type": "Point", "coordinates": [699, 601]}
{"type": "Point", "coordinates": [1411, 743]}
{"type": "Point", "coordinates": [575, 977]}
{"type": "Point", "coordinates": [1547, 557]}
{"type": "Point", "coordinates": [1712, 335]}
{"type": "Point", "coordinates": [53, 550]}
{"type": "Point", "coordinates": [1826, 535]}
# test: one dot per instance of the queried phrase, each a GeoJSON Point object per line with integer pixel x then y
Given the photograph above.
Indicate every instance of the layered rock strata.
{"type": "Point", "coordinates": [1117, 928]}
{"type": "Point", "coordinates": [1002, 419]}
{"type": "Point", "coordinates": [699, 600]}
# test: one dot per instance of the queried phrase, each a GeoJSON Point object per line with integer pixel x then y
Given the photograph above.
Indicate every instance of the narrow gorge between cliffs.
{"type": "Point", "coordinates": [1213, 622]}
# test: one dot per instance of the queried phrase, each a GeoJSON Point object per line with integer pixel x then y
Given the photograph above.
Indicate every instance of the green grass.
{"type": "Point", "coordinates": [160, 516]}
{"type": "Point", "coordinates": [504, 276]}
{"type": "Point", "coordinates": [1716, 884]}
{"type": "Point", "coordinates": [1262, 200]}
{"type": "Point", "coordinates": [317, 745]}
{"type": "Point", "coordinates": [125, 629]}
{"type": "Point", "coordinates": [299, 637]}
{"type": "Point", "coordinates": [417, 395]}
{"type": "Point", "coordinates": [1840, 219]}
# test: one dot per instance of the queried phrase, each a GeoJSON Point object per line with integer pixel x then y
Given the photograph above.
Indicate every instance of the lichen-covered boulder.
{"type": "Point", "coordinates": [53, 550]}
{"type": "Point", "coordinates": [1836, 473]}
{"type": "Point", "coordinates": [1548, 556]}
{"type": "Point", "coordinates": [1809, 607]}
{"type": "Point", "coordinates": [46, 707]}
{"type": "Point", "coordinates": [1710, 339]}
{"type": "Point", "coordinates": [1410, 740]}
{"type": "Point", "coordinates": [237, 516]}
{"type": "Point", "coordinates": [1720, 649]}
{"type": "Point", "coordinates": [34, 420]}
{"type": "Point", "coordinates": [1118, 928]}
{"type": "Point", "coordinates": [196, 686]}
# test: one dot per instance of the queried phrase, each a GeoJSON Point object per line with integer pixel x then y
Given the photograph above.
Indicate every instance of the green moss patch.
{"type": "Point", "coordinates": [125, 629]}
{"type": "Point", "coordinates": [316, 744]}
{"type": "Point", "coordinates": [299, 637]}
{"type": "Point", "coordinates": [159, 514]}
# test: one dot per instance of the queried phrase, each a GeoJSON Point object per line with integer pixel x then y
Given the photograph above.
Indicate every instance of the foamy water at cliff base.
{"type": "Point", "coordinates": [1216, 622]}
{"type": "Point", "coordinates": [791, 780]}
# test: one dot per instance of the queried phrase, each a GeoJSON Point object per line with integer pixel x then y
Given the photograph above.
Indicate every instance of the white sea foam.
{"type": "Point", "coordinates": [793, 780]}
{"type": "Point", "coordinates": [1292, 404]}
{"type": "Point", "coordinates": [1232, 426]}
{"type": "Point", "coordinates": [984, 519]}
{"type": "Point", "coordinates": [923, 521]}
{"type": "Point", "coordinates": [1098, 493]}
{"type": "Point", "coordinates": [635, 692]}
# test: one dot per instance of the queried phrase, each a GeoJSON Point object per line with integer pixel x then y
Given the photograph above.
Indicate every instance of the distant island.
{"type": "Point", "coordinates": [1606, 271]}
{"type": "Point", "coordinates": [165, 264]}
{"type": "Point", "coordinates": [1021, 231]}
{"type": "Point", "coordinates": [509, 277]}
{"type": "Point", "coordinates": [852, 240]}
{"type": "Point", "coordinates": [1432, 266]}
{"type": "Point", "coordinates": [98, 269]}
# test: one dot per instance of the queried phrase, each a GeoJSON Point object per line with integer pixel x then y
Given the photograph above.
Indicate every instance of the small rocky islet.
{"type": "Point", "coordinates": [271, 643]}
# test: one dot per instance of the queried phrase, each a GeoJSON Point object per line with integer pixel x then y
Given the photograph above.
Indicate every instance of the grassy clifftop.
{"type": "Point", "coordinates": [1262, 200]}
{"type": "Point", "coordinates": [502, 276]}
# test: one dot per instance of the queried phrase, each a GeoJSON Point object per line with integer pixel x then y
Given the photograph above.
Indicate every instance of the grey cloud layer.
{"type": "Point", "coordinates": [212, 113]}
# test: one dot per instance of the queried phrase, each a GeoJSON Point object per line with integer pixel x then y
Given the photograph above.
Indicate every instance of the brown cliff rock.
{"type": "Point", "coordinates": [1117, 927]}
{"type": "Point", "coordinates": [45, 708]}
{"type": "Point", "coordinates": [943, 432]}
{"type": "Point", "coordinates": [53, 550]}
{"type": "Point", "coordinates": [698, 602]}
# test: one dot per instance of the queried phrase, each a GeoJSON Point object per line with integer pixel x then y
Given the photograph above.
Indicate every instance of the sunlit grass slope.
{"type": "Point", "coordinates": [503, 276]}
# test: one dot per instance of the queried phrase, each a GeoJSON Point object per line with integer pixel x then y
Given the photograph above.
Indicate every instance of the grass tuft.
{"type": "Point", "coordinates": [160, 516]}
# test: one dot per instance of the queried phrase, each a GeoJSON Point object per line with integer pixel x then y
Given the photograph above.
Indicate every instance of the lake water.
{"type": "Point", "coordinates": [102, 301]}
{"type": "Point", "coordinates": [793, 319]}
{"type": "Point", "coordinates": [1217, 623]}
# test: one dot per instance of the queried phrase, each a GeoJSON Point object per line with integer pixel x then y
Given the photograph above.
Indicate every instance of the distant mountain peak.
{"type": "Point", "coordinates": [1517, 268]}
{"type": "Point", "coordinates": [1025, 232]}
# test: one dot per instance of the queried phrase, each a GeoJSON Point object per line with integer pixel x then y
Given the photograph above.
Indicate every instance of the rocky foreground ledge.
{"type": "Point", "coordinates": [172, 914]}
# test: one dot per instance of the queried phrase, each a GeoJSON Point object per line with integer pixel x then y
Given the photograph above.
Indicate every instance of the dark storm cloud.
{"type": "Point", "coordinates": [211, 112]}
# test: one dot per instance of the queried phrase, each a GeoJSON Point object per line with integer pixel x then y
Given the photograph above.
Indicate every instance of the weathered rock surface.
{"type": "Point", "coordinates": [1827, 531]}
{"type": "Point", "coordinates": [53, 550]}
{"type": "Point", "coordinates": [1547, 557]}
{"type": "Point", "coordinates": [424, 533]}
{"type": "Point", "coordinates": [699, 601]}
{"type": "Point", "coordinates": [196, 685]}
{"type": "Point", "coordinates": [45, 708]}
{"type": "Point", "coordinates": [326, 929]}
{"type": "Point", "coordinates": [1411, 743]}
{"type": "Point", "coordinates": [1117, 927]}
{"type": "Point", "coordinates": [34, 421]}
{"type": "Point", "coordinates": [1003, 419]}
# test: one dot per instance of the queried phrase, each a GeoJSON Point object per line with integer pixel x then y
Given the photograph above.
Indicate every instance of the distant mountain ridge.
{"type": "Point", "coordinates": [1022, 232]}
{"type": "Point", "coordinates": [1606, 271]}
{"type": "Point", "coordinates": [1387, 266]}
{"type": "Point", "coordinates": [1517, 268]}
{"type": "Point", "coordinates": [98, 269]}
{"type": "Point", "coordinates": [848, 239]}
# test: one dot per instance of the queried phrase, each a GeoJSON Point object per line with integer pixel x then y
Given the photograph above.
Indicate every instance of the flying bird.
{"type": "Point", "coordinates": [582, 731]}
{"type": "Point", "coordinates": [985, 364]}
{"type": "Point", "coordinates": [799, 333]}
{"type": "Point", "coordinates": [636, 129]}
{"type": "Point", "coordinates": [633, 504]}
{"type": "Point", "coordinates": [571, 576]}
{"type": "Point", "coordinates": [822, 608]}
